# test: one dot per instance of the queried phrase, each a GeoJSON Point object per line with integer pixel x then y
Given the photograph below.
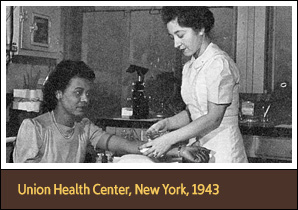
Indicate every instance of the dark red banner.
{"type": "Point", "coordinates": [145, 189]}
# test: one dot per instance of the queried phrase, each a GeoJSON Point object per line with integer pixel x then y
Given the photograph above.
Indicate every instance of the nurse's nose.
{"type": "Point", "coordinates": [177, 42]}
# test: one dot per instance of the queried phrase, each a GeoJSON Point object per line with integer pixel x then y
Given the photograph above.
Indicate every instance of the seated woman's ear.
{"type": "Point", "coordinates": [58, 94]}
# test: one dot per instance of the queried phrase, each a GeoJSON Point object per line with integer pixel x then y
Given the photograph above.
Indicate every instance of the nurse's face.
{"type": "Point", "coordinates": [185, 39]}
{"type": "Point", "coordinates": [75, 98]}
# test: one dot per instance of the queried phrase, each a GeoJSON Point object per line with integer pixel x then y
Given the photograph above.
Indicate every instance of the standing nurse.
{"type": "Point", "coordinates": [210, 85]}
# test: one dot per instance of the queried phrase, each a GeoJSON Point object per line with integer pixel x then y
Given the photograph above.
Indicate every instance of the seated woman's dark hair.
{"type": "Point", "coordinates": [59, 80]}
{"type": "Point", "coordinates": [190, 16]}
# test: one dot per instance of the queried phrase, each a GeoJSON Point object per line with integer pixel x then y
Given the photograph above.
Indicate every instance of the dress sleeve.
{"type": "Point", "coordinates": [220, 81]}
{"type": "Point", "coordinates": [95, 134]}
{"type": "Point", "coordinates": [26, 148]}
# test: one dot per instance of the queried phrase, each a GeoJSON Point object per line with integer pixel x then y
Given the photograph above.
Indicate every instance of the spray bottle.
{"type": "Point", "coordinates": [139, 100]}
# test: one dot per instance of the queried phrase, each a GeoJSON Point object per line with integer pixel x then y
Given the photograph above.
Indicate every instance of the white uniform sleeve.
{"type": "Point", "coordinates": [220, 81]}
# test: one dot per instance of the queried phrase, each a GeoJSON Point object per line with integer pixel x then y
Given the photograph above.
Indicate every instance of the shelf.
{"type": "Point", "coordinates": [125, 123]}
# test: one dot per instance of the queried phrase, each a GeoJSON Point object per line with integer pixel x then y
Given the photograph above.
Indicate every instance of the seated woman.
{"type": "Point", "coordinates": [62, 134]}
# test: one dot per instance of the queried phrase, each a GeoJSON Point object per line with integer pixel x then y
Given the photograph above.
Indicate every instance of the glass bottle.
{"type": "Point", "coordinates": [127, 110]}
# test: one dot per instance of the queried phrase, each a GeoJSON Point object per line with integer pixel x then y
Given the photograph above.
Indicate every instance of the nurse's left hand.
{"type": "Point", "coordinates": [156, 148]}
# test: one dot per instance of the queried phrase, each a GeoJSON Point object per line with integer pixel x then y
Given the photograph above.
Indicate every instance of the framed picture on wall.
{"type": "Point", "coordinates": [40, 30]}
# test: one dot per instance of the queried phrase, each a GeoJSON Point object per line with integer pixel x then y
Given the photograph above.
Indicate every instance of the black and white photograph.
{"type": "Point", "coordinates": [146, 105]}
{"type": "Point", "coordinates": [149, 84]}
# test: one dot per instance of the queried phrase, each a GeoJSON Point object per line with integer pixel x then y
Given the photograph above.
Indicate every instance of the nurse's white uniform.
{"type": "Point", "coordinates": [214, 77]}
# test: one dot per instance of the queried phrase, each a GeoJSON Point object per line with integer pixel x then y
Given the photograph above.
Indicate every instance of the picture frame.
{"type": "Point", "coordinates": [40, 30]}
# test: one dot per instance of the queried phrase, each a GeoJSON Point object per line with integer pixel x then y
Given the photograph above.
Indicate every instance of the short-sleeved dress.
{"type": "Point", "coordinates": [214, 77]}
{"type": "Point", "coordinates": [40, 141]}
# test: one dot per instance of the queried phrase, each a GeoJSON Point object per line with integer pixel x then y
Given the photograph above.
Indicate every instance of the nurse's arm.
{"type": "Point", "coordinates": [179, 120]}
{"type": "Point", "coordinates": [200, 126]}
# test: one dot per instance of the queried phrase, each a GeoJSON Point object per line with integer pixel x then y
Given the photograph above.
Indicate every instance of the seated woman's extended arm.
{"type": "Point", "coordinates": [117, 144]}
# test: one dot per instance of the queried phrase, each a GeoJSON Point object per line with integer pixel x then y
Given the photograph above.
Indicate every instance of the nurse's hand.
{"type": "Point", "coordinates": [156, 129]}
{"type": "Point", "coordinates": [156, 148]}
{"type": "Point", "coordinates": [195, 154]}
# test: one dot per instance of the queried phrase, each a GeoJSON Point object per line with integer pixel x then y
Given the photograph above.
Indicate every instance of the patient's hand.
{"type": "Point", "coordinates": [195, 154]}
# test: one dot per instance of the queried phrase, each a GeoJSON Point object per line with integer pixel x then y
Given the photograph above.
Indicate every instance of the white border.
{"type": "Point", "coordinates": [292, 165]}
{"type": "Point", "coordinates": [148, 3]}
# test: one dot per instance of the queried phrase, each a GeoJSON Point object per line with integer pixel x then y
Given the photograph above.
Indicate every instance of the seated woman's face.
{"type": "Point", "coordinates": [75, 98]}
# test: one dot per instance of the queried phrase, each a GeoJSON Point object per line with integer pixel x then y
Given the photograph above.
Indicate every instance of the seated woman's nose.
{"type": "Point", "coordinates": [84, 98]}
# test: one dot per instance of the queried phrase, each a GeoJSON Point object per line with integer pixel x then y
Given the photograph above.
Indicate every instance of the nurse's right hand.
{"type": "Point", "coordinates": [157, 128]}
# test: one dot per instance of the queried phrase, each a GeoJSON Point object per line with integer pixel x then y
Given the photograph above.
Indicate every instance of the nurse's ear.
{"type": "Point", "coordinates": [58, 94]}
{"type": "Point", "coordinates": [202, 32]}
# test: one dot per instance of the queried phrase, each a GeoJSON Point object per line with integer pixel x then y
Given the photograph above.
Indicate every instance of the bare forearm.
{"type": "Point", "coordinates": [177, 121]}
{"type": "Point", "coordinates": [119, 145]}
{"type": "Point", "coordinates": [173, 152]}
{"type": "Point", "coordinates": [200, 126]}
{"type": "Point", "coordinates": [125, 146]}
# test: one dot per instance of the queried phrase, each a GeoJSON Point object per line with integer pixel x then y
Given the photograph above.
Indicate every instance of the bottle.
{"type": "Point", "coordinates": [99, 158]}
{"type": "Point", "coordinates": [127, 110]}
{"type": "Point", "coordinates": [139, 101]}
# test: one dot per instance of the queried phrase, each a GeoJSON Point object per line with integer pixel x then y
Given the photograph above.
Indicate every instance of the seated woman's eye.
{"type": "Point", "coordinates": [78, 93]}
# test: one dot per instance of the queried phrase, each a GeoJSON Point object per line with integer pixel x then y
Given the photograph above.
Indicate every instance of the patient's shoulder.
{"type": "Point", "coordinates": [43, 120]}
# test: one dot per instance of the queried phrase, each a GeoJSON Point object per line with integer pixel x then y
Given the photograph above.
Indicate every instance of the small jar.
{"type": "Point", "coordinates": [99, 158]}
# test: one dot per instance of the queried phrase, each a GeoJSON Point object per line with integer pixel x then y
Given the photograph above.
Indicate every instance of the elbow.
{"type": "Point", "coordinates": [215, 122]}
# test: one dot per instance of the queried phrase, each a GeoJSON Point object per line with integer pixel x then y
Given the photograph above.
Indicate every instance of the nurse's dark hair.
{"type": "Point", "coordinates": [59, 79]}
{"type": "Point", "coordinates": [192, 17]}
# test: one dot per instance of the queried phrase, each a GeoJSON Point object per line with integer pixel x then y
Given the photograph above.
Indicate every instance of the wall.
{"type": "Point", "coordinates": [264, 47]}
{"type": "Point", "coordinates": [105, 49]}
{"type": "Point", "coordinates": [250, 56]}
{"type": "Point", "coordinates": [72, 25]}
{"type": "Point", "coordinates": [282, 45]}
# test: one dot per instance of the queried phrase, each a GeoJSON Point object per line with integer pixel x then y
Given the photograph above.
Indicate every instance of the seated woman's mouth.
{"type": "Point", "coordinates": [81, 108]}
